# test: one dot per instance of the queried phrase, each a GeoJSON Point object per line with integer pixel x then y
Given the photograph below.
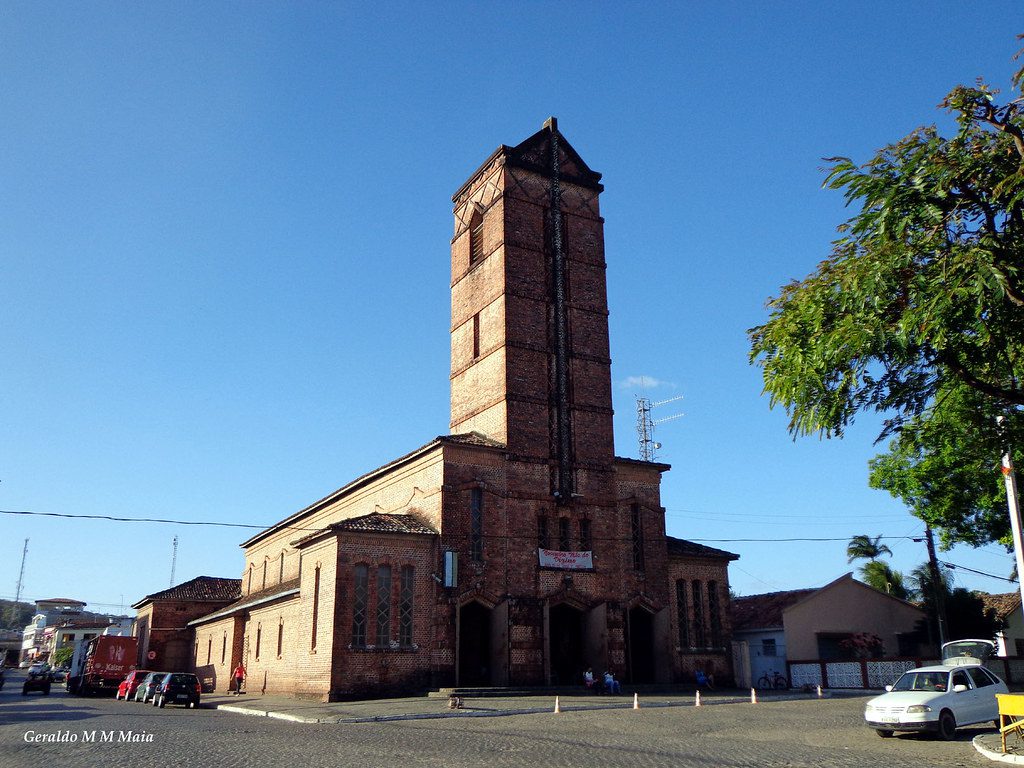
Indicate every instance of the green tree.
{"type": "Point", "coordinates": [882, 577]}
{"type": "Point", "coordinates": [62, 656]}
{"type": "Point", "coordinates": [944, 466]}
{"type": "Point", "coordinates": [862, 547]}
{"type": "Point", "coordinates": [923, 293]}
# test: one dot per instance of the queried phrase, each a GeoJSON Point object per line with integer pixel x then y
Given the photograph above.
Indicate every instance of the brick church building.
{"type": "Point", "coordinates": [518, 550]}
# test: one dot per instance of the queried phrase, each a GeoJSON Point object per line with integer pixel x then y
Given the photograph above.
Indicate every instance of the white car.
{"type": "Point", "coordinates": [960, 691]}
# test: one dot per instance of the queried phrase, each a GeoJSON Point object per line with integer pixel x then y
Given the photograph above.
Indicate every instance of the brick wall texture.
{"type": "Point", "coordinates": [337, 602]}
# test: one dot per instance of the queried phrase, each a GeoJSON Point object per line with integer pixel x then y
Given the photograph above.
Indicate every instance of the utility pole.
{"type": "Point", "coordinates": [938, 585]}
{"type": "Point", "coordinates": [1010, 478]}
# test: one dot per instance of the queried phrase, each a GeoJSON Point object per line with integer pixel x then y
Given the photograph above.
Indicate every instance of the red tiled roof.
{"type": "Point", "coordinates": [284, 589]}
{"type": "Point", "coordinates": [381, 523]}
{"type": "Point", "coordinates": [66, 600]}
{"type": "Point", "coordinates": [684, 548]}
{"type": "Point", "coordinates": [764, 611]}
{"type": "Point", "coordinates": [199, 589]}
{"type": "Point", "coordinates": [375, 522]}
{"type": "Point", "coordinates": [1003, 605]}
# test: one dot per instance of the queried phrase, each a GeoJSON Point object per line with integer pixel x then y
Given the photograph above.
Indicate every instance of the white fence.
{"type": "Point", "coordinates": [864, 673]}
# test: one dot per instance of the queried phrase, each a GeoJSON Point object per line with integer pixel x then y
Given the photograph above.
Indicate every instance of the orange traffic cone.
{"type": "Point", "coordinates": [753, 696]}
{"type": "Point", "coordinates": [636, 701]}
{"type": "Point", "coordinates": [558, 709]}
{"type": "Point", "coordinates": [697, 702]}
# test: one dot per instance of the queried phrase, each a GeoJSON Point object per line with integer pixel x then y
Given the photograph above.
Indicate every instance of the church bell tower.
{"type": "Point", "coordinates": [530, 364]}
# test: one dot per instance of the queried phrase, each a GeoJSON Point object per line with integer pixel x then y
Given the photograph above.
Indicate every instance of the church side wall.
{"type": "Point", "coordinates": [387, 667]}
{"type": "Point", "coordinates": [412, 488]}
{"type": "Point", "coordinates": [695, 647]}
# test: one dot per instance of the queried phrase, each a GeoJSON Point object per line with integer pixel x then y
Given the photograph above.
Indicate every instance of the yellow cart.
{"type": "Point", "coordinates": [1011, 715]}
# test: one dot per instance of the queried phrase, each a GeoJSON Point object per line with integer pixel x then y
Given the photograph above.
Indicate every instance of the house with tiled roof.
{"type": "Point", "coordinates": [1007, 609]}
{"type": "Point", "coordinates": [161, 622]}
{"type": "Point", "coordinates": [818, 624]}
{"type": "Point", "coordinates": [519, 549]}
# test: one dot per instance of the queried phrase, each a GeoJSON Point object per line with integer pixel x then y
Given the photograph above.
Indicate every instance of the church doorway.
{"type": "Point", "coordinates": [640, 645]}
{"type": "Point", "coordinates": [565, 645]}
{"type": "Point", "coordinates": [475, 645]}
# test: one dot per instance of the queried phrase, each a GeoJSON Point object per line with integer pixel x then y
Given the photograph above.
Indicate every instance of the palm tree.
{"type": "Point", "coordinates": [879, 575]}
{"type": "Point", "coordinates": [863, 547]}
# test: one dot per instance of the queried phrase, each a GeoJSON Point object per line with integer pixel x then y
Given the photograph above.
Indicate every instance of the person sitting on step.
{"type": "Point", "coordinates": [610, 683]}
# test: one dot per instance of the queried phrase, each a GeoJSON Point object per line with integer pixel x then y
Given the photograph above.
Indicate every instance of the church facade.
{"type": "Point", "coordinates": [517, 550]}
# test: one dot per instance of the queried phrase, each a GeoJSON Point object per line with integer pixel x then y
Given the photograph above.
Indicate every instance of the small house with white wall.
{"type": "Point", "coordinates": [822, 624]}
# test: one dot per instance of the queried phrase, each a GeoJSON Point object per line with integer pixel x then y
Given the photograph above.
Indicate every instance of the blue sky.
{"type": "Point", "coordinates": [224, 237]}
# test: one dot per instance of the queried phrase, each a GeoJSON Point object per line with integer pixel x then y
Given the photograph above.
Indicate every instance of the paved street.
{"type": "Point", "coordinates": [779, 733]}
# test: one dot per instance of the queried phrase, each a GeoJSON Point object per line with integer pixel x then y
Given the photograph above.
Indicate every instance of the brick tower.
{"type": "Point", "coordinates": [530, 359]}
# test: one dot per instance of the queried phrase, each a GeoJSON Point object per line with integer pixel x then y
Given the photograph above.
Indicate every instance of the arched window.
{"type": "Point", "coordinates": [360, 598]}
{"type": "Point", "coordinates": [699, 635]}
{"type": "Point", "coordinates": [476, 237]}
{"type": "Point", "coordinates": [637, 530]}
{"type": "Point", "coordinates": [264, 573]}
{"type": "Point", "coordinates": [476, 524]}
{"type": "Point", "coordinates": [280, 573]}
{"type": "Point", "coordinates": [714, 614]}
{"type": "Point", "coordinates": [316, 607]}
{"type": "Point", "coordinates": [564, 536]}
{"type": "Point", "coordinates": [682, 615]}
{"type": "Point", "coordinates": [384, 606]}
{"type": "Point", "coordinates": [405, 607]}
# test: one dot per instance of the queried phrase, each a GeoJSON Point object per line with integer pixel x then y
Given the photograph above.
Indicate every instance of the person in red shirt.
{"type": "Point", "coordinates": [239, 675]}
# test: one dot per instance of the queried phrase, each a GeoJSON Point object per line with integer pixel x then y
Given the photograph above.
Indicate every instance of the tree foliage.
{"type": "Point", "coordinates": [923, 292]}
{"type": "Point", "coordinates": [863, 547]}
{"type": "Point", "coordinates": [882, 577]}
{"type": "Point", "coordinates": [945, 466]}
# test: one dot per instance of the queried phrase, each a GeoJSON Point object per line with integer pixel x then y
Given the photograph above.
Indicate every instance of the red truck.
{"type": "Point", "coordinates": [100, 664]}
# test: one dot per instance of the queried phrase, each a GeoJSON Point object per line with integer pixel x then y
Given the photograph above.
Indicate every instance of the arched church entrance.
{"type": "Point", "coordinates": [640, 645]}
{"type": "Point", "coordinates": [565, 644]}
{"type": "Point", "coordinates": [475, 645]}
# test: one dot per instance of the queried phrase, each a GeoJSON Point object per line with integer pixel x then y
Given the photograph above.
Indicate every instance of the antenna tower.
{"type": "Point", "coordinates": [174, 559]}
{"type": "Point", "coordinates": [17, 591]}
{"type": "Point", "coordinates": [645, 425]}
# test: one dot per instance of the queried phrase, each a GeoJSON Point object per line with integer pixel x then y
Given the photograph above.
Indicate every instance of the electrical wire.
{"type": "Point", "coordinates": [169, 521]}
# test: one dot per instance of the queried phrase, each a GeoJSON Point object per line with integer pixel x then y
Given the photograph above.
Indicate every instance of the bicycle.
{"type": "Point", "coordinates": [773, 681]}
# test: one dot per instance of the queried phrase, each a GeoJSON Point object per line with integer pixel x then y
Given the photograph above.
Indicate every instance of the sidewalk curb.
{"type": "Point", "coordinates": [481, 712]}
{"type": "Point", "coordinates": [994, 754]}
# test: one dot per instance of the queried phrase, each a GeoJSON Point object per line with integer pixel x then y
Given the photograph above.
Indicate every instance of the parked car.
{"type": "Point", "coordinates": [58, 674]}
{"type": "Point", "coordinates": [148, 685]}
{"type": "Point", "coordinates": [126, 690]}
{"type": "Point", "coordinates": [939, 698]}
{"type": "Point", "coordinates": [178, 688]}
{"type": "Point", "coordinates": [36, 681]}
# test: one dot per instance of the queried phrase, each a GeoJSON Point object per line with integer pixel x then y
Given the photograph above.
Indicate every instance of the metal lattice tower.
{"type": "Point", "coordinates": [645, 425]}
{"type": "Point", "coordinates": [174, 559]}
{"type": "Point", "coordinates": [17, 591]}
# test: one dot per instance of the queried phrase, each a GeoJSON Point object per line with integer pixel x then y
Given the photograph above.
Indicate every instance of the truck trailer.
{"type": "Point", "coordinates": [101, 663]}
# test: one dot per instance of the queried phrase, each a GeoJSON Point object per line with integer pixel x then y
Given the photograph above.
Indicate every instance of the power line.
{"type": "Point", "coordinates": [132, 519]}
{"type": "Point", "coordinates": [168, 521]}
{"type": "Point", "coordinates": [764, 540]}
{"type": "Point", "coordinates": [954, 566]}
